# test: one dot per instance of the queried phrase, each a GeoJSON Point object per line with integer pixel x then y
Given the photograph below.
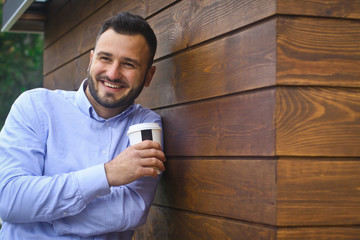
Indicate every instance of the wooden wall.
{"type": "Point", "coordinates": [260, 101]}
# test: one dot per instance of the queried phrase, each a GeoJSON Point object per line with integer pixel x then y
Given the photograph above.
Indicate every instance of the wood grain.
{"type": "Point", "coordinates": [233, 188]}
{"type": "Point", "coordinates": [65, 19]}
{"type": "Point", "coordinates": [53, 7]}
{"type": "Point", "coordinates": [323, 8]}
{"type": "Point", "coordinates": [319, 191]}
{"type": "Point", "coordinates": [317, 121]}
{"type": "Point", "coordinates": [171, 224]}
{"type": "Point", "coordinates": [153, 6]}
{"type": "Point", "coordinates": [316, 51]}
{"type": "Point", "coordinates": [319, 233]}
{"type": "Point", "coordinates": [237, 125]}
{"type": "Point", "coordinates": [190, 22]}
{"type": "Point", "coordinates": [69, 76]}
{"type": "Point", "coordinates": [241, 62]}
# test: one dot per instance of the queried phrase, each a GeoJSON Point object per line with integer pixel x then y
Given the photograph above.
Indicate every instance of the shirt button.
{"type": "Point", "coordinates": [65, 213]}
{"type": "Point", "coordinates": [103, 152]}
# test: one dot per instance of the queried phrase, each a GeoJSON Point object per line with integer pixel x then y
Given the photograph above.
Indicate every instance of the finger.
{"type": "Point", "coordinates": [147, 144]}
{"type": "Point", "coordinates": [152, 153]}
{"type": "Point", "coordinates": [153, 162]}
{"type": "Point", "coordinates": [153, 172]}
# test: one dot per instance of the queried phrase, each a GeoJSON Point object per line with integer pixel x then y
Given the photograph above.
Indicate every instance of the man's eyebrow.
{"type": "Point", "coordinates": [126, 59]}
{"type": "Point", "coordinates": [104, 53]}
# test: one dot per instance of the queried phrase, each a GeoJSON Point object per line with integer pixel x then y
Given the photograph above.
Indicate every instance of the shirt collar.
{"type": "Point", "coordinates": [82, 101]}
{"type": "Point", "coordinates": [85, 106]}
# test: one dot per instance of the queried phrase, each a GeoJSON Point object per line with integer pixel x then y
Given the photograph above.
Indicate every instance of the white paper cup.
{"type": "Point", "coordinates": [144, 131]}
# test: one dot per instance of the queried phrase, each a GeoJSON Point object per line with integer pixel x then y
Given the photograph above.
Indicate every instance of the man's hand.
{"type": "Point", "coordinates": [139, 160]}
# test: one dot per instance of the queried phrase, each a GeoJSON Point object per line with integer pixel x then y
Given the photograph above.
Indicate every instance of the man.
{"type": "Point", "coordinates": [66, 168]}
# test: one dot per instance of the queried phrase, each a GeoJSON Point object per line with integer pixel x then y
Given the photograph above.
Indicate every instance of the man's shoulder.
{"type": "Point", "coordinates": [46, 95]}
{"type": "Point", "coordinates": [144, 111]}
{"type": "Point", "coordinates": [142, 114]}
{"type": "Point", "coordinates": [44, 92]}
{"type": "Point", "coordinates": [44, 100]}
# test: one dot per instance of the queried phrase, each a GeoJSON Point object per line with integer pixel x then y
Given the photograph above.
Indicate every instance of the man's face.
{"type": "Point", "coordinates": [118, 70]}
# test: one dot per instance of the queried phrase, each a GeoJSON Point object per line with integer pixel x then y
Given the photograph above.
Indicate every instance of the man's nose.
{"type": "Point", "coordinates": [114, 72]}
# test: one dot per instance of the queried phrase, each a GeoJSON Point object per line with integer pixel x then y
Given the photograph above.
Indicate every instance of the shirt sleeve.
{"type": "Point", "coordinates": [125, 208]}
{"type": "Point", "coordinates": [26, 195]}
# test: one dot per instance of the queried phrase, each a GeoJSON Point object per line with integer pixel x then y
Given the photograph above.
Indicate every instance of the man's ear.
{"type": "Point", "coordinates": [149, 76]}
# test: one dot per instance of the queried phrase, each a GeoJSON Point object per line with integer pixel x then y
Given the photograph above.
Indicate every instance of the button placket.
{"type": "Point", "coordinates": [105, 141]}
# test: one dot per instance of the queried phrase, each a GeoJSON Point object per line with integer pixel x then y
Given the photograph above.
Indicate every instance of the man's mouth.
{"type": "Point", "coordinates": [116, 84]}
{"type": "Point", "coordinates": [113, 85]}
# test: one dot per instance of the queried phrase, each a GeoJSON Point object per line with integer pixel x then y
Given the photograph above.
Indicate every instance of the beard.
{"type": "Point", "coordinates": [109, 100]}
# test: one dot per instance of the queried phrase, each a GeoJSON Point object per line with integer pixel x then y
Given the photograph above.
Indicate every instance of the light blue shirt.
{"type": "Point", "coordinates": [53, 147]}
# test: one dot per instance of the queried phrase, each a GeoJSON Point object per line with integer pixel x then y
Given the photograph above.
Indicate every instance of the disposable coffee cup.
{"type": "Point", "coordinates": [145, 131]}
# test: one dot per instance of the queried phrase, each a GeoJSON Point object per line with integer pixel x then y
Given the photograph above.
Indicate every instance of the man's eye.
{"type": "Point", "coordinates": [105, 59]}
{"type": "Point", "coordinates": [128, 65]}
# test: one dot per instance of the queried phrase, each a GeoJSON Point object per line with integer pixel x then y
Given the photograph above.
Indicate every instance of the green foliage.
{"type": "Point", "coordinates": [21, 64]}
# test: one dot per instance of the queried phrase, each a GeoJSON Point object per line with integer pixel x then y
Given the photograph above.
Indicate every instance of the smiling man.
{"type": "Point", "coordinates": [66, 168]}
{"type": "Point", "coordinates": [118, 72]}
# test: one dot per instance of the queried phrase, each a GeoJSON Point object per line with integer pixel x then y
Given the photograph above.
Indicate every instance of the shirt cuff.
{"type": "Point", "coordinates": [93, 182]}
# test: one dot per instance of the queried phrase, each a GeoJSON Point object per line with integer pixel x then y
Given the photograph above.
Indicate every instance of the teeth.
{"type": "Point", "coordinates": [111, 85]}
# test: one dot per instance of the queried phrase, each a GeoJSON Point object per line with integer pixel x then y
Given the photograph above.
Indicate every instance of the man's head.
{"type": "Point", "coordinates": [121, 63]}
{"type": "Point", "coordinates": [129, 24]}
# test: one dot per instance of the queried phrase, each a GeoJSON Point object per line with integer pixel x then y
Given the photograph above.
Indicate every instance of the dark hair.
{"type": "Point", "coordinates": [130, 24]}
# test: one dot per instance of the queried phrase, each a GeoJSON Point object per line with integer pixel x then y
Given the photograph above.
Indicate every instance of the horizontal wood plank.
{"type": "Point", "coordinates": [153, 6]}
{"type": "Point", "coordinates": [69, 76]}
{"type": "Point", "coordinates": [316, 233]}
{"type": "Point", "coordinates": [234, 188]}
{"type": "Point", "coordinates": [318, 191]}
{"type": "Point", "coordinates": [323, 8]}
{"type": "Point", "coordinates": [236, 125]}
{"type": "Point", "coordinates": [73, 13]}
{"type": "Point", "coordinates": [318, 121]}
{"type": "Point", "coordinates": [189, 22]}
{"type": "Point", "coordinates": [241, 62]}
{"type": "Point", "coordinates": [316, 51]}
{"type": "Point", "coordinates": [170, 224]}
{"type": "Point", "coordinates": [53, 7]}
{"type": "Point", "coordinates": [70, 15]}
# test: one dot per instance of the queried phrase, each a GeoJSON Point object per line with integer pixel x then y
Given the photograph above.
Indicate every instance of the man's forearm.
{"type": "Point", "coordinates": [124, 209]}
